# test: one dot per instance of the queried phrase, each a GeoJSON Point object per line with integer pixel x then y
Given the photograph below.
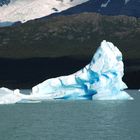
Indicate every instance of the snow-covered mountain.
{"type": "Point", "coordinates": [24, 10]}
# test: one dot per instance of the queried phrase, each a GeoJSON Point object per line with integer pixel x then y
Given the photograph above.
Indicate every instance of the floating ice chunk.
{"type": "Point", "coordinates": [8, 96]}
{"type": "Point", "coordinates": [101, 79]}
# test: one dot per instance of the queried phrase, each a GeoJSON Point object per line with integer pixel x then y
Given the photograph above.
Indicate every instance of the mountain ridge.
{"type": "Point", "coordinates": [78, 31]}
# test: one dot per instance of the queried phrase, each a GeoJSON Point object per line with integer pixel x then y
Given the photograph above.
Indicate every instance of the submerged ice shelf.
{"type": "Point", "coordinates": [101, 79]}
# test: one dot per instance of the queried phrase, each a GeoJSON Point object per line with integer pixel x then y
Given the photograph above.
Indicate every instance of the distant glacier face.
{"type": "Point", "coordinates": [101, 79]}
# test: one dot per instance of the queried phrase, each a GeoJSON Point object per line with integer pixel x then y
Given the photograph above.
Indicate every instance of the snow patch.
{"type": "Point", "coordinates": [105, 4]}
{"type": "Point", "coordinates": [126, 1]}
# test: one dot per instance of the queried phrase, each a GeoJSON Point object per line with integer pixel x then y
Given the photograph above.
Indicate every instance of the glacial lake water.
{"type": "Point", "coordinates": [72, 120]}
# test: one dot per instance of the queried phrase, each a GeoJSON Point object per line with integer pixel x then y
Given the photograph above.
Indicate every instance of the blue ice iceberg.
{"type": "Point", "coordinates": [101, 79]}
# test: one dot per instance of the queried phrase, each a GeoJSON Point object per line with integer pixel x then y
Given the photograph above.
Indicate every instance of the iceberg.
{"type": "Point", "coordinates": [101, 79]}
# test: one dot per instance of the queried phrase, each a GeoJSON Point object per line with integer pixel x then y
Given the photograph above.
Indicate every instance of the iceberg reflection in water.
{"type": "Point", "coordinates": [101, 79]}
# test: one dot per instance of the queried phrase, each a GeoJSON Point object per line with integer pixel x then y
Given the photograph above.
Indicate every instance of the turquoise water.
{"type": "Point", "coordinates": [73, 120]}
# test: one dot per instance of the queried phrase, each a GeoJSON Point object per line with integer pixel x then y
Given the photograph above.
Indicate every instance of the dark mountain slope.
{"type": "Point", "coordinates": [77, 35]}
{"type": "Point", "coordinates": [105, 7]}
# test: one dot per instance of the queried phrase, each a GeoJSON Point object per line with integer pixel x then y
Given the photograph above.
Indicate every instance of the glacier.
{"type": "Point", "coordinates": [101, 79]}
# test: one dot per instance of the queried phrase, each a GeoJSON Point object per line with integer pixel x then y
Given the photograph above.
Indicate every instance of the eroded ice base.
{"type": "Point", "coordinates": [101, 79]}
